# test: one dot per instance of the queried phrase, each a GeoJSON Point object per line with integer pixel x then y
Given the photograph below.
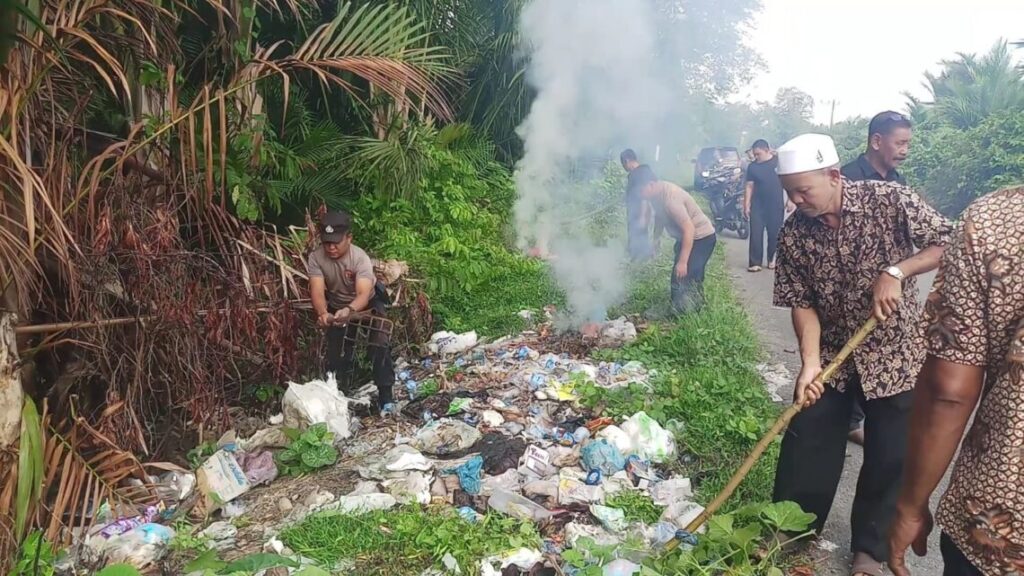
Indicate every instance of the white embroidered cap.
{"type": "Point", "coordinates": [806, 153]}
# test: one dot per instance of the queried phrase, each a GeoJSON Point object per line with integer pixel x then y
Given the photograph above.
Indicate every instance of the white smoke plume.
{"type": "Point", "coordinates": [599, 88]}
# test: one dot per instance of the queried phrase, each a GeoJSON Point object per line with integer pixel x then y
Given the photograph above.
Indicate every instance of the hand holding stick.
{"type": "Point", "coordinates": [776, 429]}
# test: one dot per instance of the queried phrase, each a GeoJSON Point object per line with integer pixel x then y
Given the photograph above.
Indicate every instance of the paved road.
{"type": "Point", "coordinates": [779, 343]}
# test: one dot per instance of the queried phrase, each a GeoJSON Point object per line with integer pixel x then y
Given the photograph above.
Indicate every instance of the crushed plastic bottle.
{"type": "Point", "coordinates": [411, 386]}
{"type": "Point", "coordinates": [517, 506]}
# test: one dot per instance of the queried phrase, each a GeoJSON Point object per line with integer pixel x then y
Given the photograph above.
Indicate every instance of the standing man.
{"type": "Point", "coordinates": [975, 335]}
{"type": "Point", "coordinates": [889, 136]}
{"type": "Point", "coordinates": [764, 204]}
{"type": "Point", "coordinates": [677, 212]}
{"type": "Point", "coordinates": [341, 284]}
{"type": "Point", "coordinates": [847, 254]}
{"type": "Point", "coordinates": [637, 212]}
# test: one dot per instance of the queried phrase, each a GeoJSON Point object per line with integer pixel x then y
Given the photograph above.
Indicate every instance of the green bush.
{"type": "Point", "coordinates": [453, 232]}
{"type": "Point", "coordinates": [953, 167]}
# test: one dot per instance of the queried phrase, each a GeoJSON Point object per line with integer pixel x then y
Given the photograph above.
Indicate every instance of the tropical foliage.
{"type": "Point", "coordinates": [969, 138]}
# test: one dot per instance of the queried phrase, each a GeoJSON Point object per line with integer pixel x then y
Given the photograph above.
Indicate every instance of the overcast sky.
{"type": "Point", "coordinates": [865, 53]}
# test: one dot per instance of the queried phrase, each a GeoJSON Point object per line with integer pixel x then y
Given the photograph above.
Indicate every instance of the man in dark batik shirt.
{"type": "Point", "coordinates": [847, 254]}
{"type": "Point", "coordinates": [638, 211]}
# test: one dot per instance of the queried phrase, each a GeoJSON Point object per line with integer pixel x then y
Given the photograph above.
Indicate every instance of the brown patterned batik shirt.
{"type": "Point", "coordinates": [834, 271]}
{"type": "Point", "coordinates": [975, 317]}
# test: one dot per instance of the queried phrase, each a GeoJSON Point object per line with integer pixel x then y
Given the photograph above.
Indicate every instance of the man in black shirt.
{"type": "Point", "coordinates": [763, 204]}
{"type": "Point", "coordinates": [889, 136]}
{"type": "Point", "coordinates": [888, 144]}
{"type": "Point", "coordinates": [637, 211]}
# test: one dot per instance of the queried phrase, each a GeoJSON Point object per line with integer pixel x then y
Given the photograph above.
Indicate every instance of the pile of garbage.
{"type": "Point", "coordinates": [482, 427]}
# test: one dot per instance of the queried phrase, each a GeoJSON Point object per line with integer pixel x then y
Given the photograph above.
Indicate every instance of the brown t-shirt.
{"type": "Point", "coordinates": [671, 202]}
{"type": "Point", "coordinates": [340, 274]}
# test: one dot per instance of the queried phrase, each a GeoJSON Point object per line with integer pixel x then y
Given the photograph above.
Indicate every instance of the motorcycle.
{"type": "Point", "coordinates": [724, 189]}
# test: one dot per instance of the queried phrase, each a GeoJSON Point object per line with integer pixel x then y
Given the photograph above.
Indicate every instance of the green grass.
{"type": "Point", "coordinates": [707, 380]}
{"type": "Point", "coordinates": [492, 308]}
{"type": "Point", "coordinates": [406, 540]}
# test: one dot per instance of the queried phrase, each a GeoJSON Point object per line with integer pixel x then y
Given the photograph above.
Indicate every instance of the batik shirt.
{"type": "Point", "coordinates": [975, 317]}
{"type": "Point", "coordinates": [834, 271]}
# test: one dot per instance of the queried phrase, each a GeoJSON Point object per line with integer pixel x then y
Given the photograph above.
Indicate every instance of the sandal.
{"type": "Point", "coordinates": [865, 565]}
{"type": "Point", "coordinates": [754, 269]}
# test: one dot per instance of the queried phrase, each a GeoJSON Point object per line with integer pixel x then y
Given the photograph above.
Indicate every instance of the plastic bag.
{"type": "Point", "coordinates": [517, 506]}
{"type": "Point", "coordinates": [445, 343]}
{"type": "Point", "coordinates": [446, 436]}
{"type": "Point", "coordinates": [220, 480]}
{"type": "Point", "coordinates": [469, 474]}
{"type": "Point", "coordinates": [602, 455]}
{"type": "Point", "coordinates": [414, 488]}
{"type": "Point", "coordinates": [406, 458]}
{"type": "Point", "coordinates": [649, 439]}
{"type": "Point", "coordinates": [618, 437]}
{"type": "Point", "coordinates": [259, 467]}
{"type": "Point", "coordinates": [612, 519]}
{"type": "Point", "coordinates": [620, 567]}
{"type": "Point", "coordinates": [314, 402]}
{"type": "Point", "coordinates": [573, 489]}
{"type": "Point", "coordinates": [617, 333]}
{"type": "Point", "coordinates": [139, 547]}
{"type": "Point", "coordinates": [362, 503]}
{"type": "Point", "coordinates": [523, 558]}
{"type": "Point", "coordinates": [668, 492]}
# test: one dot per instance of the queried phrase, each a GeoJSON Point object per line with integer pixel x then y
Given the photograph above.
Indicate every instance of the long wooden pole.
{"type": "Point", "coordinates": [108, 322]}
{"type": "Point", "coordinates": [776, 429]}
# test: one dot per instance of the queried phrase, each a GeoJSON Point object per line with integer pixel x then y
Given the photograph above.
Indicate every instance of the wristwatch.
{"type": "Point", "coordinates": [896, 273]}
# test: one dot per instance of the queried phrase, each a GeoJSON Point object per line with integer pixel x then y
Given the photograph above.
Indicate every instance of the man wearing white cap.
{"type": "Point", "coordinates": [849, 253]}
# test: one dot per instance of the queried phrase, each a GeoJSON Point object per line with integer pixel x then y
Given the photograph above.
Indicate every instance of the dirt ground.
{"type": "Point", "coordinates": [779, 342]}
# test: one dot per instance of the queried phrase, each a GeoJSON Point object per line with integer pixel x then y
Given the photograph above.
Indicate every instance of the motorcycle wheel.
{"type": "Point", "coordinates": [719, 226]}
{"type": "Point", "coordinates": [743, 231]}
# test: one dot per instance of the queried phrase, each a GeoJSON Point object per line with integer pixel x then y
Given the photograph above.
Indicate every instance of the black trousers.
{"type": "Point", "coordinates": [814, 452]}
{"type": "Point", "coordinates": [956, 563]}
{"type": "Point", "coordinates": [764, 221]}
{"type": "Point", "coordinates": [341, 348]}
{"type": "Point", "coordinates": [856, 416]}
{"type": "Point", "coordinates": [688, 294]}
{"type": "Point", "coordinates": [638, 243]}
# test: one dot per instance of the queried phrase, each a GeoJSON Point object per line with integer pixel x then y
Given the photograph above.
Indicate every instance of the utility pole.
{"type": "Point", "coordinates": [832, 116]}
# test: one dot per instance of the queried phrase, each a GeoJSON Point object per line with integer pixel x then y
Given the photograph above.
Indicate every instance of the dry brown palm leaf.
{"type": "Point", "coordinates": [80, 470]}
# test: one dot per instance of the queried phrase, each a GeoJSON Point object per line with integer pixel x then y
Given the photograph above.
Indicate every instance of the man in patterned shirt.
{"type": "Point", "coordinates": [848, 254]}
{"type": "Point", "coordinates": [975, 336]}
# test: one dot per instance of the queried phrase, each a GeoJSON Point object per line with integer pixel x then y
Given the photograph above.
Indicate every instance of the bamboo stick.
{"type": "Point", "coordinates": [775, 430]}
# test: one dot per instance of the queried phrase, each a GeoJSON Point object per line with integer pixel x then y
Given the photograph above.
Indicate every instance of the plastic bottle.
{"type": "Point", "coordinates": [517, 506]}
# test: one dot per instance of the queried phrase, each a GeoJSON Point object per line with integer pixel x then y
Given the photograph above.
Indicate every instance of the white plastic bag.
{"type": "Point", "coordinates": [314, 402]}
{"type": "Point", "coordinates": [445, 343]}
{"type": "Point", "coordinates": [618, 437]}
{"type": "Point", "coordinates": [523, 558]}
{"type": "Point", "coordinates": [362, 503]}
{"type": "Point", "coordinates": [649, 439]}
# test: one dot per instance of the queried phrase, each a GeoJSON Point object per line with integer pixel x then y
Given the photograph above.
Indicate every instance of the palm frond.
{"type": "Point", "coordinates": [382, 45]}
{"type": "Point", "coordinates": [64, 476]}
